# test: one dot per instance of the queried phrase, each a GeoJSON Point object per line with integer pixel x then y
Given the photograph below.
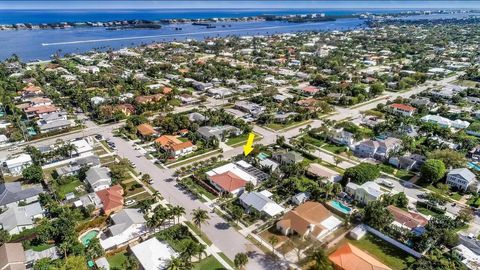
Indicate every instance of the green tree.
{"type": "Point", "coordinates": [361, 173]}
{"type": "Point", "coordinates": [241, 259]}
{"type": "Point", "coordinates": [320, 258]}
{"type": "Point", "coordinates": [33, 173]}
{"type": "Point", "coordinates": [4, 236]}
{"type": "Point", "coordinates": [176, 264]}
{"type": "Point", "coordinates": [199, 217]}
{"type": "Point", "coordinates": [249, 187]}
{"type": "Point", "coordinates": [273, 241]}
{"type": "Point", "coordinates": [433, 170]}
{"type": "Point", "coordinates": [74, 263]}
{"type": "Point", "coordinates": [377, 215]}
{"type": "Point", "coordinates": [451, 158]}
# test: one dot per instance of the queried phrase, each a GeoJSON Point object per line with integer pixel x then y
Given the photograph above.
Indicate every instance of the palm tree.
{"type": "Point", "coordinates": [241, 259]}
{"type": "Point", "coordinates": [321, 260]}
{"type": "Point", "coordinates": [175, 264]}
{"type": "Point", "coordinates": [177, 211]}
{"type": "Point", "coordinates": [200, 217]}
{"type": "Point", "coordinates": [273, 240]}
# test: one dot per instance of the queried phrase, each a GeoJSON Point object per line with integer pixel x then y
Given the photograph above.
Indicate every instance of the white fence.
{"type": "Point", "coordinates": [393, 242]}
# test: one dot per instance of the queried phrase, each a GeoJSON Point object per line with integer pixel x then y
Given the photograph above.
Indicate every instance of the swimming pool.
{"type": "Point", "coordinates": [88, 236]}
{"type": "Point", "coordinates": [473, 166]}
{"type": "Point", "coordinates": [340, 207]}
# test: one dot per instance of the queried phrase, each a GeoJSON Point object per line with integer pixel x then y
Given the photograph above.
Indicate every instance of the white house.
{"type": "Point", "coordinates": [128, 225]}
{"type": "Point", "coordinates": [444, 122]}
{"type": "Point", "coordinates": [261, 201]}
{"type": "Point", "coordinates": [462, 178]}
{"type": "Point", "coordinates": [16, 164]}
{"type": "Point", "coordinates": [98, 178]}
{"type": "Point", "coordinates": [402, 109]}
{"type": "Point", "coordinates": [365, 193]}
{"type": "Point", "coordinates": [153, 254]}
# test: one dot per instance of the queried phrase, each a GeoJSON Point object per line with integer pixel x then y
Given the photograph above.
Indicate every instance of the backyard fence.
{"type": "Point", "coordinates": [393, 242]}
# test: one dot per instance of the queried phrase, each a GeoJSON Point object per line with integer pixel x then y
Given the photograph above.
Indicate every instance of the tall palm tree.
{"type": "Point", "coordinates": [178, 211]}
{"type": "Point", "coordinates": [321, 260]}
{"type": "Point", "coordinates": [200, 217]}
{"type": "Point", "coordinates": [175, 264]}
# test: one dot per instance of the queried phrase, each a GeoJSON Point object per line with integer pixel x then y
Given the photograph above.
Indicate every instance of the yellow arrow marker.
{"type": "Point", "coordinates": [248, 146]}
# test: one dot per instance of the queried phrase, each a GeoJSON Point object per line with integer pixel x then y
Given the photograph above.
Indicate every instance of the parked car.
{"type": "Point", "coordinates": [387, 183]}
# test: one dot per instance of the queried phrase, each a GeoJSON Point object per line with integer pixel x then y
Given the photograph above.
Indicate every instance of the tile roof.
{"type": "Point", "coordinates": [349, 257]}
{"type": "Point", "coordinates": [228, 181]}
{"type": "Point", "coordinates": [111, 198]}
{"type": "Point", "coordinates": [403, 107]}
{"type": "Point", "coordinates": [146, 129]}
{"type": "Point", "coordinates": [304, 215]}
{"type": "Point", "coordinates": [408, 219]}
{"type": "Point", "coordinates": [12, 254]}
{"type": "Point", "coordinates": [171, 142]}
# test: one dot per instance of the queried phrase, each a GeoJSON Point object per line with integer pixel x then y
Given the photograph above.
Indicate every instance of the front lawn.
{"type": "Point", "coordinates": [393, 257]}
{"type": "Point", "coordinates": [64, 189]}
{"type": "Point", "coordinates": [117, 260]}
{"type": "Point", "coordinates": [209, 263]}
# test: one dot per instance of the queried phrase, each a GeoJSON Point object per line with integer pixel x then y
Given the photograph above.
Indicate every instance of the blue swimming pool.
{"type": "Point", "coordinates": [340, 207]}
{"type": "Point", "coordinates": [474, 166]}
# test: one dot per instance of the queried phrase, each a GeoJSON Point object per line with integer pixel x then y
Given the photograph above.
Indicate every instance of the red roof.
{"type": "Point", "coordinates": [112, 198]}
{"type": "Point", "coordinates": [311, 89]}
{"type": "Point", "coordinates": [403, 107]}
{"type": "Point", "coordinates": [407, 219]}
{"type": "Point", "coordinates": [228, 181]}
{"type": "Point", "coordinates": [349, 257]}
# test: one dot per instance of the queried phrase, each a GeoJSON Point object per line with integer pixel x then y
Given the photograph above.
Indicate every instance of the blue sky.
{"type": "Point", "coordinates": [110, 4]}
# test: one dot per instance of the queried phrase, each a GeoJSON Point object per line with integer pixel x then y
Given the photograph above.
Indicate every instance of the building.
{"type": "Point", "coordinates": [197, 117]}
{"type": "Point", "coordinates": [349, 257]}
{"type": "Point", "coordinates": [145, 130]}
{"type": "Point", "coordinates": [365, 193]}
{"type": "Point", "coordinates": [218, 132]}
{"type": "Point", "coordinates": [174, 147]}
{"type": "Point", "coordinates": [253, 109]}
{"type": "Point", "coordinates": [318, 170]}
{"type": "Point", "coordinates": [12, 257]}
{"type": "Point", "coordinates": [310, 219]}
{"type": "Point", "coordinates": [378, 149]}
{"type": "Point", "coordinates": [11, 194]}
{"type": "Point", "coordinates": [128, 225]}
{"type": "Point", "coordinates": [288, 157]}
{"type": "Point", "coordinates": [111, 198]}
{"type": "Point", "coordinates": [310, 90]}
{"type": "Point", "coordinates": [468, 251]}
{"type": "Point", "coordinates": [232, 177]}
{"type": "Point", "coordinates": [261, 202]}
{"type": "Point", "coordinates": [16, 164]}
{"type": "Point", "coordinates": [411, 162]}
{"type": "Point", "coordinates": [402, 109]}
{"type": "Point", "coordinates": [32, 256]}
{"type": "Point", "coordinates": [98, 178]}
{"type": "Point", "coordinates": [53, 122]}
{"type": "Point", "coordinates": [463, 179]}
{"type": "Point", "coordinates": [300, 198]}
{"type": "Point", "coordinates": [19, 218]}
{"type": "Point", "coordinates": [75, 166]}
{"type": "Point", "coordinates": [153, 254]}
{"type": "Point", "coordinates": [342, 137]}
{"type": "Point", "coordinates": [406, 219]}
{"type": "Point", "coordinates": [444, 122]}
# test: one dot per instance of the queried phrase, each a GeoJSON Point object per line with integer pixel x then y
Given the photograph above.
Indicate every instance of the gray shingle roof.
{"type": "Point", "coordinates": [13, 217]}
{"type": "Point", "coordinates": [464, 172]}
{"type": "Point", "coordinates": [13, 192]}
{"type": "Point", "coordinates": [124, 219]}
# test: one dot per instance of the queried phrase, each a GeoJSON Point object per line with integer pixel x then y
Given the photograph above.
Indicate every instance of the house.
{"type": "Point", "coordinates": [75, 166]}
{"type": "Point", "coordinates": [19, 218]}
{"type": "Point", "coordinates": [474, 153]}
{"type": "Point", "coordinates": [31, 91]}
{"type": "Point", "coordinates": [153, 254]}
{"type": "Point", "coordinates": [358, 232]}
{"type": "Point", "coordinates": [16, 164]}
{"type": "Point", "coordinates": [406, 219]}
{"type": "Point", "coordinates": [402, 109]}
{"type": "Point", "coordinates": [39, 111]}
{"type": "Point", "coordinates": [111, 198]}
{"type": "Point", "coordinates": [310, 219]}
{"type": "Point", "coordinates": [411, 162]}
{"type": "Point", "coordinates": [98, 178]}
{"type": "Point", "coordinates": [32, 256]}
{"type": "Point", "coordinates": [468, 250]}
{"type": "Point", "coordinates": [310, 90]}
{"type": "Point", "coordinates": [12, 193]}
{"type": "Point", "coordinates": [288, 157]}
{"type": "Point", "coordinates": [463, 179]}
{"type": "Point", "coordinates": [145, 130]}
{"type": "Point", "coordinates": [249, 107]}
{"type": "Point", "coordinates": [174, 147]}
{"type": "Point", "coordinates": [379, 149]}
{"type": "Point", "coordinates": [53, 122]}
{"type": "Point", "coordinates": [365, 193]}
{"type": "Point", "coordinates": [300, 198]}
{"type": "Point", "coordinates": [219, 132]}
{"type": "Point", "coordinates": [232, 177]}
{"type": "Point", "coordinates": [318, 170]}
{"type": "Point", "coordinates": [12, 257]}
{"type": "Point", "coordinates": [102, 263]}
{"type": "Point", "coordinates": [350, 257]}
{"type": "Point", "coordinates": [268, 163]}
{"type": "Point", "coordinates": [444, 122]}
{"type": "Point", "coordinates": [197, 117]}
{"type": "Point", "coordinates": [342, 137]}
{"type": "Point", "coordinates": [128, 225]}
{"type": "Point", "coordinates": [261, 202]}
{"type": "Point", "coordinates": [283, 117]}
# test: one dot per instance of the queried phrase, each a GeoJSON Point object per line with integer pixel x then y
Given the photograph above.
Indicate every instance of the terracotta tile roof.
{"type": "Point", "coordinates": [311, 89]}
{"type": "Point", "coordinates": [408, 219]}
{"type": "Point", "coordinates": [228, 181]}
{"type": "Point", "coordinates": [167, 90]}
{"type": "Point", "coordinates": [148, 99]}
{"type": "Point", "coordinates": [183, 145]}
{"type": "Point", "coordinates": [403, 107]}
{"type": "Point", "coordinates": [32, 89]}
{"type": "Point", "coordinates": [112, 198]}
{"type": "Point", "coordinates": [304, 215]}
{"type": "Point", "coordinates": [171, 142]}
{"type": "Point", "coordinates": [146, 130]}
{"type": "Point", "coordinates": [41, 109]}
{"type": "Point", "coordinates": [349, 257]}
{"type": "Point", "coordinates": [307, 102]}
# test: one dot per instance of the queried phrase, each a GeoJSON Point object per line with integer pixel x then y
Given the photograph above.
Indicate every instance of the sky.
{"type": "Point", "coordinates": [239, 4]}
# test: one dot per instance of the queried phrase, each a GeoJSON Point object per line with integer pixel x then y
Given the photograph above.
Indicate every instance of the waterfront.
{"type": "Point", "coordinates": [31, 45]}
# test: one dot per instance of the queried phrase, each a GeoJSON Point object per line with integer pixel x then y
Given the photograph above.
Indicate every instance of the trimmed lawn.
{"type": "Point", "coordinates": [396, 258]}
{"type": "Point", "coordinates": [426, 211]}
{"type": "Point", "coordinates": [197, 231]}
{"type": "Point", "coordinates": [227, 260]}
{"type": "Point", "coordinates": [62, 190]}
{"type": "Point", "coordinates": [41, 247]}
{"type": "Point", "coordinates": [117, 260]}
{"type": "Point", "coordinates": [277, 127]}
{"type": "Point", "coordinates": [209, 263]}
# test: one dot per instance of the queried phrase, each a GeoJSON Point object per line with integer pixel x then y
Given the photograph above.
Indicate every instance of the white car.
{"type": "Point", "coordinates": [387, 183]}
{"type": "Point", "coordinates": [129, 202]}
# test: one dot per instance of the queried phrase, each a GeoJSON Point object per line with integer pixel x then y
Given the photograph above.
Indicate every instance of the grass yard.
{"type": "Point", "coordinates": [198, 232]}
{"type": "Point", "coordinates": [209, 263]}
{"type": "Point", "coordinates": [41, 247]}
{"type": "Point", "coordinates": [117, 260]}
{"type": "Point", "coordinates": [334, 148]}
{"type": "Point", "coordinates": [426, 211]}
{"type": "Point", "coordinates": [62, 190]}
{"type": "Point", "coordinates": [227, 260]}
{"type": "Point", "coordinates": [288, 126]}
{"type": "Point", "coordinates": [396, 258]}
